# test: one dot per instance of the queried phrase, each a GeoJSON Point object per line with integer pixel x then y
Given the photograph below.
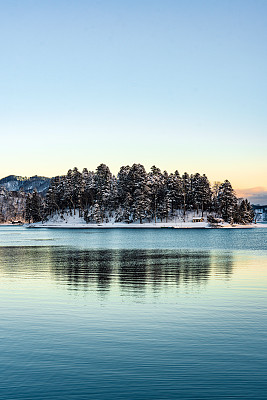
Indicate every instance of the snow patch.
{"type": "Point", "coordinates": [74, 221]}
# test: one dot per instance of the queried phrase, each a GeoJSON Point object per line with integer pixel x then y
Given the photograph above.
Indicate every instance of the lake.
{"type": "Point", "coordinates": [133, 314]}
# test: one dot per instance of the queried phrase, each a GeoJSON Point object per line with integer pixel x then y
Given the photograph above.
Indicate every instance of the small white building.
{"type": "Point", "coordinates": [260, 213]}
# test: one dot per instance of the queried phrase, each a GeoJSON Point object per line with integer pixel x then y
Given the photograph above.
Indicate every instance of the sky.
{"type": "Point", "coordinates": [174, 83]}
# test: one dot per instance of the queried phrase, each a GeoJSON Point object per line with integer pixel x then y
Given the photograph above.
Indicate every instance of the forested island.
{"type": "Point", "coordinates": [135, 196]}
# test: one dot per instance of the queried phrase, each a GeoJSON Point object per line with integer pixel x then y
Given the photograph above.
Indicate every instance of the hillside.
{"type": "Point", "coordinates": [16, 183]}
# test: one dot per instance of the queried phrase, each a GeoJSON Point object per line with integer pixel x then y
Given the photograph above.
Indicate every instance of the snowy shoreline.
{"type": "Point", "coordinates": [76, 222]}
{"type": "Point", "coordinates": [171, 225]}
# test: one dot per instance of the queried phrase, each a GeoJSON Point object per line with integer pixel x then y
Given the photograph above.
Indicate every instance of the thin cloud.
{"type": "Point", "coordinates": [256, 195]}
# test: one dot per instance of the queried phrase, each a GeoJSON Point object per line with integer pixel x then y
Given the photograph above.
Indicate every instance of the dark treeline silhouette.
{"type": "Point", "coordinates": [135, 195]}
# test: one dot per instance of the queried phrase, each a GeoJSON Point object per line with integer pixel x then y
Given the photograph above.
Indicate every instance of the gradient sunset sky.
{"type": "Point", "coordinates": [178, 84]}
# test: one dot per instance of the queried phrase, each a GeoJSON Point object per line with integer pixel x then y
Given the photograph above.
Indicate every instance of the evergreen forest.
{"type": "Point", "coordinates": [135, 195]}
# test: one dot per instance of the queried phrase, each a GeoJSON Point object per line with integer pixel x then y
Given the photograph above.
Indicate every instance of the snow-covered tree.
{"type": "Point", "coordinates": [132, 195]}
{"type": "Point", "coordinates": [139, 191]}
{"type": "Point", "coordinates": [244, 212]}
{"type": "Point", "coordinates": [227, 201]}
{"type": "Point", "coordinates": [186, 193]}
{"type": "Point", "coordinates": [155, 184]}
{"type": "Point", "coordinates": [103, 188]}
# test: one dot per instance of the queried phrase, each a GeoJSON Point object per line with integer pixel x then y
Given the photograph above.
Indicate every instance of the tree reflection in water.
{"type": "Point", "coordinates": [134, 270]}
{"type": "Point", "coordinates": [130, 270]}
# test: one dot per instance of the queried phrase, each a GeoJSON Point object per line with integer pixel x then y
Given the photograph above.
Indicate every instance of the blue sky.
{"type": "Point", "coordinates": [179, 84]}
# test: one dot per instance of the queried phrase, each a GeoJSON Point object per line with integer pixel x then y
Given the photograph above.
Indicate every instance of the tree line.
{"type": "Point", "coordinates": [135, 195]}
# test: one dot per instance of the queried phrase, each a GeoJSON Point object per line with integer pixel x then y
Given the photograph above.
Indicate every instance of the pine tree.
{"type": "Point", "coordinates": [68, 191]}
{"type": "Point", "coordinates": [76, 187]}
{"type": "Point", "coordinates": [185, 187]}
{"type": "Point", "coordinates": [195, 192]}
{"type": "Point", "coordinates": [122, 183]}
{"type": "Point", "coordinates": [103, 186]}
{"type": "Point", "coordinates": [53, 197]}
{"type": "Point", "coordinates": [28, 209]}
{"type": "Point", "coordinates": [205, 194]}
{"type": "Point", "coordinates": [139, 192]}
{"type": "Point", "coordinates": [244, 213]}
{"type": "Point", "coordinates": [88, 188]}
{"type": "Point", "coordinates": [155, 184]}
{"type": "Point", "coordinates": [175, 191]}
{"type": "Point", "coordinates": [227, 201]}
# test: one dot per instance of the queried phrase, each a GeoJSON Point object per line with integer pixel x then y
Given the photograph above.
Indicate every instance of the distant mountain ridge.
{"type": "Point", "coordinates": [15, 183]}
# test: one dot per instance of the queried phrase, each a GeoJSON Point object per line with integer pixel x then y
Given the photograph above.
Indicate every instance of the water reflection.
{"type": "Point", "coordinates": [133, 270]}
{"type": "Point", "coordinates": [129, 270]}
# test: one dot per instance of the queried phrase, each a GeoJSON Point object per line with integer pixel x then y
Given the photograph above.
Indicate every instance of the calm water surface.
{"type": "Point", "coordinates": [133, 314]}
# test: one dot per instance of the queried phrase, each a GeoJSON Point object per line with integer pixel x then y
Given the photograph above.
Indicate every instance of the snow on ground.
{"type": "Point", "coordinates": [75, 221]}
